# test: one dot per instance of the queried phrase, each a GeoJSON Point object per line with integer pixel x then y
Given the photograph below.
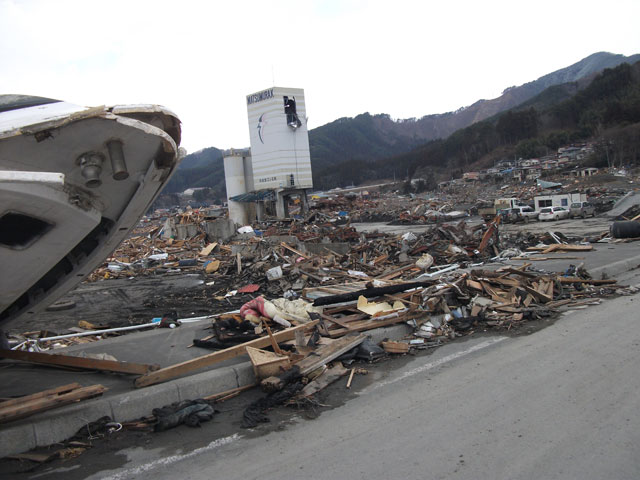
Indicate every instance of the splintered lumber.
{"type": "Point", "coordinates": [316, 359]}
{"type": "Point", "coordinates": [44, 393]}
{"type": "Point", "coordinates": [397, 272]}
{"type": "Point", "coordinates": [340, 321]}
{"type": "Point", "coordinates": [376, 322]}
{"type": "Point", "coordinates": [557, 247]}
{"type": "Point", "coordinates": [543, 297]}
{"type": "Point", "coordinates": [515, 271]}
{"type": "Point", "coordinates": [297, 252]}
{"type": "Point", "coordinates": [369, 293]}
{"type": "Point", "coordinates": [489, 233]}
{"type": "Point", "coordinates": [353, 371]}
{"type": "Point", "coordinates": [189, 366]}
{"type": "Point", "coordinates": [206, 251]}
{"type": "Point", "coordinates": [395, 347]}
{"type": "Point", "coordinates": [274, 344]}
{"type": "Point", "coordinates": [324, 380]}
{"type": "Point", "coordinates": [229, 393]}
{"type": "Point", "coordinates": [326, 353]}
{"type": "Point", "coordinates": [78, 362]}
{"type": "Point", "coordinates": [40, 404]}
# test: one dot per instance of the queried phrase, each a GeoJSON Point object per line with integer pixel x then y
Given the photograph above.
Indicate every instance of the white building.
{"type": "Point", "coordinates": [280, 161]}
{"type": "Point", "coordinates": [279, 139]}
{"type": "Point", "coordinates": [560, 200]}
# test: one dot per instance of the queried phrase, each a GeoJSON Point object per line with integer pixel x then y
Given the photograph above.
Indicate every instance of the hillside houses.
{"type": "Point", "coordinates": [531, 169]}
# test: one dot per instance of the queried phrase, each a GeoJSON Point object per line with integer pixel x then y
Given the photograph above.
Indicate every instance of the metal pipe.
{"type": "Point", "coordinates": [98, 332]}
{"type": "Point", "coordinates": [91, 168]}
{"type": "Point", "coordinates": [118, 164]}
{"type": "Point", "coordinates": [121, 329]}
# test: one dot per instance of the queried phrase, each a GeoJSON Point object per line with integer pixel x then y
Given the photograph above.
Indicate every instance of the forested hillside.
{"type": "Point", "coordinates": [607, 110]}
{"type": "Point", "coordinates": [200, 169]}
{"type": "Point", "coordinates": [370, 138]}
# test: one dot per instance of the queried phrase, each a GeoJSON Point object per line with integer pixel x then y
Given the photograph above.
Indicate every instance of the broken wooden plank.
{"type": "Point", "coordinates": [326, 353]}
{"type": "Point", "coordinates": [516, 271]}
{"type": "Point", "coordinates": [395, 347]}
{"type": "Point", "coordinates": [324, 380]}
{"type": "Point", "coordinates": [44, 393]}
{"type": "Point", "coordinates": [189, 366]}
{"type": "Point", "coordinates": [353, 371]}
{"type": "Point", "coordinates": [338, 321]}
{"type": "Point", "coordinates": [274, 344]}
{"type": "Point", "coordinates": [317, 359]}
{"type": "Point", "coordinates": [559, 303]}
{"type": "Point", "coordinates": [227, 393]}
{"type": "Point", "coordinates": [38, 405]}
{"type": "Point", "coordinates": [397, 298]}
{"type": "Point", "coordinates": [473, 284]}
{"type": "Point", "coordinates": [552, 248]}
{"type": "Point", "coordinates": [376, 322]}
{"type": "Point", "coordinates": [394, 273]}
{"type": "Point", "coordinates": [536, 294]}
{"type": "Point", "coordinates": [206, 251]}
{"type": "Point", "coordinates": [489, 233]}
{"type": "Point", "coordinates": [297, 252]}
{"type": "Point", "coordinates": [78, 362]}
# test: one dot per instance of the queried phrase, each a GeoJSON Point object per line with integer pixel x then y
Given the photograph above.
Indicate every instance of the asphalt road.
{"type": "Point", "coordinates": [560, 403]}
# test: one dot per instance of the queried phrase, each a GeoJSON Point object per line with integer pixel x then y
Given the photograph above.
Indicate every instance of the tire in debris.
{"type": "Point", "coordinates": [625, 229]}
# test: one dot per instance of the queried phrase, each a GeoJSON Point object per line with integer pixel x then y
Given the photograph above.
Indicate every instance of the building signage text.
{"type": "Point", "coordinates": [258, 97]}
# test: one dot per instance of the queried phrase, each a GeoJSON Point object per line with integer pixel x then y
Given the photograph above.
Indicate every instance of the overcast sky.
{"type": "Point", "coordinates": [201, 58]}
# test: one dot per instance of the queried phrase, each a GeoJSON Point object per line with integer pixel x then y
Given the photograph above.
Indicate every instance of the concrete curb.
{"type": "Point", "coordinates": [59, 424]}
{"type": "Point", "coordinates": [616, 268]}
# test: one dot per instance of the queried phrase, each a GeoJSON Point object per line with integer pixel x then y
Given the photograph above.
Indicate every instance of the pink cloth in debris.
{"type": "Point", "coordinates": [254, 307]}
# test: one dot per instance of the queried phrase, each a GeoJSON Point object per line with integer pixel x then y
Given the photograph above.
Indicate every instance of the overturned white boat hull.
{"type": "Point", "coordinates": [73, 182]}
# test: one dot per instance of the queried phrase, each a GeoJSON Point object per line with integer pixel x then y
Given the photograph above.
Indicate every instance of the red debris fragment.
{"type": "Point", "coordinates": [252, 287]}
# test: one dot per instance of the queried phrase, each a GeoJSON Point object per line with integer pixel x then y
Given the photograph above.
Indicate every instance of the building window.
{"type": "Point", "coordinates": [544, 203]}
{"type": "Point", "coordinates": [290, 111]}
{"type": "Point", "coordinates": [564, 202]}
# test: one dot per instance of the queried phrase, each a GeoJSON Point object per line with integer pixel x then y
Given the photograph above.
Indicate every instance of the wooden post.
{"type": "Point", "coordinates": [78, 362]}
{"type": "Point", "coordinates": [189, 366]}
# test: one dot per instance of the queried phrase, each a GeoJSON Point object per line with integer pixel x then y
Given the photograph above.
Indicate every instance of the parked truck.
{"type": "Point", "coordinates": [489, 212]}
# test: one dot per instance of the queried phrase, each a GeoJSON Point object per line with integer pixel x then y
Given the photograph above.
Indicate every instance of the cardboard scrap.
{"type": "Point", "coordinates": [373, 308]}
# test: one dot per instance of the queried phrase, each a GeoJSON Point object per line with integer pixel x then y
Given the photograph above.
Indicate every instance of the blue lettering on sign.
{"type": "Point", "coordinates": [258, 97]}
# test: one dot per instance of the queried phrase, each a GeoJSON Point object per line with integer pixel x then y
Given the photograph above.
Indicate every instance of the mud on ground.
{"type": "Point", "coordinates": [124, 302]}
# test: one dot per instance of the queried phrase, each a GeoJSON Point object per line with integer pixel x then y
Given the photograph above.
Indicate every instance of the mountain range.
{"type": "Point", "coordinates": [367, 138]}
